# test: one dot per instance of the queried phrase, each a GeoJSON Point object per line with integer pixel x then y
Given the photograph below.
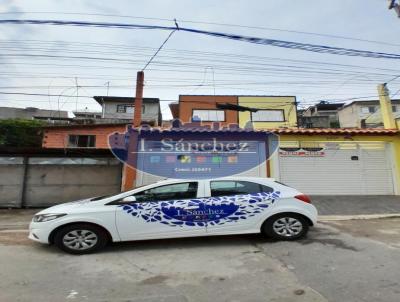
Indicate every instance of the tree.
{"type": "Point", "coordinates": [21, 133]}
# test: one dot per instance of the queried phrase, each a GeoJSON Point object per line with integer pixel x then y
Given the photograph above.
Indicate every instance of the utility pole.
{"type": "Point", "coordinates": [77, 93]}
{"type": "Point", "coordinates": [386, 107]}
{"type": "Point", "coordinates": [137, 115]}
{"type": "Point", "coordinates": [129, 173]}
{"type": "Point", "coordinates": [108, 87]}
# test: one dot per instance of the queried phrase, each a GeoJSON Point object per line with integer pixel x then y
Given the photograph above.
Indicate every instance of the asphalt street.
{"type": "Point", "coordinates": [339, 261]}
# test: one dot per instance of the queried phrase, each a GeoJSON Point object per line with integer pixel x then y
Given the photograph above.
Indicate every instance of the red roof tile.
{"type": "Point", "coordinates": [370, 131]}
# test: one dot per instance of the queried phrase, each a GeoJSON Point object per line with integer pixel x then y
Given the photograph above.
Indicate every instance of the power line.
{"type": "Point", "coordinates": [118, 60]}
{"type": "Point", "coordinates": [45, 94]}
{"type": "Point", "coordinates": [158, 50]}
{"type": "Point", "coordinates": [396, 77]}
{"type": "Point", "coordinates": [244, 69]}
{"type": "Point", "coordinates": [214, 23]}
{"type": "Point", "coordinates": [16, 45]}
{"type": "Point", "coordinates": [90, 97]}
{"type": "Point", "coordinates": [254, 40]}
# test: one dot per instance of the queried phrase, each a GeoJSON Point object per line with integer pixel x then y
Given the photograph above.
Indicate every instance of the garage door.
{"type": "Point", "coordinates": [338, 168]}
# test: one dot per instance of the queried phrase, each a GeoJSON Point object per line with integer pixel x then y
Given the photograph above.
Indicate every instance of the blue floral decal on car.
{"type": "Point", "coordinates": [199, 212]}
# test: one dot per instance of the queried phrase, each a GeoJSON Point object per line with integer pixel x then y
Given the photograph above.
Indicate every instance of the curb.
{"type": "Point", "coordinates": [323, 218]}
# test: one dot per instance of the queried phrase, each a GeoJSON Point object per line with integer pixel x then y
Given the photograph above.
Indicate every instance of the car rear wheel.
{"type": "Point", "coordinates": [80, 238]}
{"type": "Point", "coordinates": [286, 226]}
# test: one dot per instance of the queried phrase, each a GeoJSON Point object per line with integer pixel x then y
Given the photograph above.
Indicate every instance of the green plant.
{"type": "Point", "coordinates": [21, 133]}
{"type": "Point", "coordinates": [335, 124]}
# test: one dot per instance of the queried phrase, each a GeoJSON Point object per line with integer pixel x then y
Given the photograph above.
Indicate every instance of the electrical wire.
{"type": "Point", "coordinates": [209, 23]}
{"type": "Point", "coordinates": [236, 37]}
{"type": "Point", "coordinates": [158, 50]}
{"type": "Point", "coordinates": [17, 45]}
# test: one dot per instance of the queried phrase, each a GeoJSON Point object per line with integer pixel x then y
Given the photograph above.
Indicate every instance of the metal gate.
{"type": "Point", "coordinates": [363, 168]}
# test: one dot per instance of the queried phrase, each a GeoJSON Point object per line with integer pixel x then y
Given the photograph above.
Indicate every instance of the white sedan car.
{"type": "Point", "coordinates": [177, 208]}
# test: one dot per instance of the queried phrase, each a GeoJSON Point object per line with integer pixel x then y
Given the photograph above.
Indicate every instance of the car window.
{"type": "Point", "coordinates": [226, 188]}
{"type": "Point", "coordinates": [266, 189]}
{"type": "Point", "coordinates": [184, 190]}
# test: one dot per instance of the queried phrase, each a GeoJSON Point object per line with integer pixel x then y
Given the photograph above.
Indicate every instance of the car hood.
{"type": "Point", "coordinates": [65, 207]}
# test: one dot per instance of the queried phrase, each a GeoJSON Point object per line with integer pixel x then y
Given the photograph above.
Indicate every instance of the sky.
{"type": "Point", "coordinates": [62, 67]}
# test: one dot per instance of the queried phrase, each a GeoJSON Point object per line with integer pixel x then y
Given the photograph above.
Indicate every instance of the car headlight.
{"type": "Point", "coordinates": [46, 217]}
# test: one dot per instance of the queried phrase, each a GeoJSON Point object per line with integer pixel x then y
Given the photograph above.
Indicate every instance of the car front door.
{"type": "Point", "coordinates": [170, 210]}
{"type": "Point", "coordinates": [238, 205]}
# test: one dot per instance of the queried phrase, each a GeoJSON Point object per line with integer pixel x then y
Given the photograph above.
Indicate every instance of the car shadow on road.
{"type": "Point", "coordinates": [316, 235]}
{"type": "Point", "coordinates": [190, 243]}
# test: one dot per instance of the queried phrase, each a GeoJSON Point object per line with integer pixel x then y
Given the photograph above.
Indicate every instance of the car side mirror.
{"type": "Point", "coordinates": [129, 199]}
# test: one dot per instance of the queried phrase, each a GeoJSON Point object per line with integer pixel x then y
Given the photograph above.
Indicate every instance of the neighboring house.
{"type": "Point", "coordinates": [265, 112]}
{"type": "Point", "coordinates": [204, 108]}
{"type": "Point", "coordinates": [359, 161]}
{"type": "Point", "coordinates": [80, 136]}
{"type": "Point", "coordinates": [87, 115]}
{"type": "Point", "coordinates": [321, 115]}
{"type": "Point", "coordinates": [375, 120]}
{"type": "Point", "coordinates": [32, 113]}
{"type": "Point", "coordinates": [357, 113]}
{"type": "Point", "coordinates": [91, 129]}
{"type": "Point", "coordinates": [272, 111]}
{"type": "Point", "coordinates": [316, 122]}
{"type": "Point", "coordinates": [123, 108]}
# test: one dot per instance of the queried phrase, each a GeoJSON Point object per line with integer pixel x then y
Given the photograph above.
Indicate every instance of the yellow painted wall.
{"type": "Point", "coordinates": [307, 140]}
{"type": "Point", "coordinates": [287, 103]}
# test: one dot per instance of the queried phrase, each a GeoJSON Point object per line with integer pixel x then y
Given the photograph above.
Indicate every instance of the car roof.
{"type": "Point", "coordinates": [243, 178]}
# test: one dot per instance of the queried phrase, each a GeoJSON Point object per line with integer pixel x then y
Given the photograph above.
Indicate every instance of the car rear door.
{"type": "Point", "coordinates": [168, 210]}
{"type": "Point", "coordinates": [237, 206]}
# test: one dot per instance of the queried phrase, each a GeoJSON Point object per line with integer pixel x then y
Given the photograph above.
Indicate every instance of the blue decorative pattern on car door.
{"type": "Point", "coordinates": [202, 211]}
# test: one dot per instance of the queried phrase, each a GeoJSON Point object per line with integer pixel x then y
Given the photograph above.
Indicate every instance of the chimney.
{"type": "Point", "coordinates": [386, 107]}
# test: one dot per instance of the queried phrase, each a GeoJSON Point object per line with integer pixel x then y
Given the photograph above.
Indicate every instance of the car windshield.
{"type": "Point", "coordinates": [100, 197]}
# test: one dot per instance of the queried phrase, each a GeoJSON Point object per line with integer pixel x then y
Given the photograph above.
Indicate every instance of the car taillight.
{"type": "Point", "coordinates": [303, 197]}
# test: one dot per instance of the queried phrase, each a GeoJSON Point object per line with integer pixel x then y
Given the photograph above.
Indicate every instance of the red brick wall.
{"type": "Point", "coordinates": [57, 137]}
{"type": "Point", "coordinates": [189, 102]}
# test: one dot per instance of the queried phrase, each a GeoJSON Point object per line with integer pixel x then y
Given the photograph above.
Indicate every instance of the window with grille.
{"type": "Point", "coordinates": [125, 108]}
{"type": "Point", "coordinates": [81, 141]}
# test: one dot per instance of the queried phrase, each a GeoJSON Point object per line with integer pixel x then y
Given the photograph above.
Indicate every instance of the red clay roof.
{"type": "Point", "coordinates": [373, 131]}
{"type": "Point", "coordinates": [304, 131]}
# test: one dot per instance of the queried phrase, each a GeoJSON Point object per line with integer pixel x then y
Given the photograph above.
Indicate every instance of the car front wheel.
{"type": "Point", "coordinates": [80, 238]}
{"type": "Point", "coordinates": [286, 226]}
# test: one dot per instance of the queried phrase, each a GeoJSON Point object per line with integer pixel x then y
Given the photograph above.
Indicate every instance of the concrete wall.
{"type": "Point", "coordinates": [30, 113]}
{"type": "Point", "coordinates": [349, 117]}
{"type": "Point", "coordinates": [45, 181]}
{"type": "Point", "coordinates": [11, 180]}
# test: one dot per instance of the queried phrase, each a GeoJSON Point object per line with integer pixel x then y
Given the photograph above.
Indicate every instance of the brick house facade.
{"type": "Point", "coordinates": [95, 136]}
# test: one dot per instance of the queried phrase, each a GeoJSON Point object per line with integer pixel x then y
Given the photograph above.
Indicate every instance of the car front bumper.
{"type": "Point", "coordinates": [39, 233]}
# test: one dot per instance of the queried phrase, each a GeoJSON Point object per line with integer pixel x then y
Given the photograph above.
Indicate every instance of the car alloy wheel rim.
{"type": "Point", "coordinates": [287, 226]}
{"type": "Point", "coordinates": [80, 239]}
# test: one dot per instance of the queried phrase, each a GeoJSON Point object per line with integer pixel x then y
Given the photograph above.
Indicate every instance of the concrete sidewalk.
{"type": "Point", "coordinates": [356, 205]}
{"type": "Point", "coordinates": [16, 219]}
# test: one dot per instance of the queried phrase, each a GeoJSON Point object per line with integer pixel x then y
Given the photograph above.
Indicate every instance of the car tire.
{"type": "Point", "coordinates": [285, 226]}
{"type": "Point", "coordinates": [80, 238]}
